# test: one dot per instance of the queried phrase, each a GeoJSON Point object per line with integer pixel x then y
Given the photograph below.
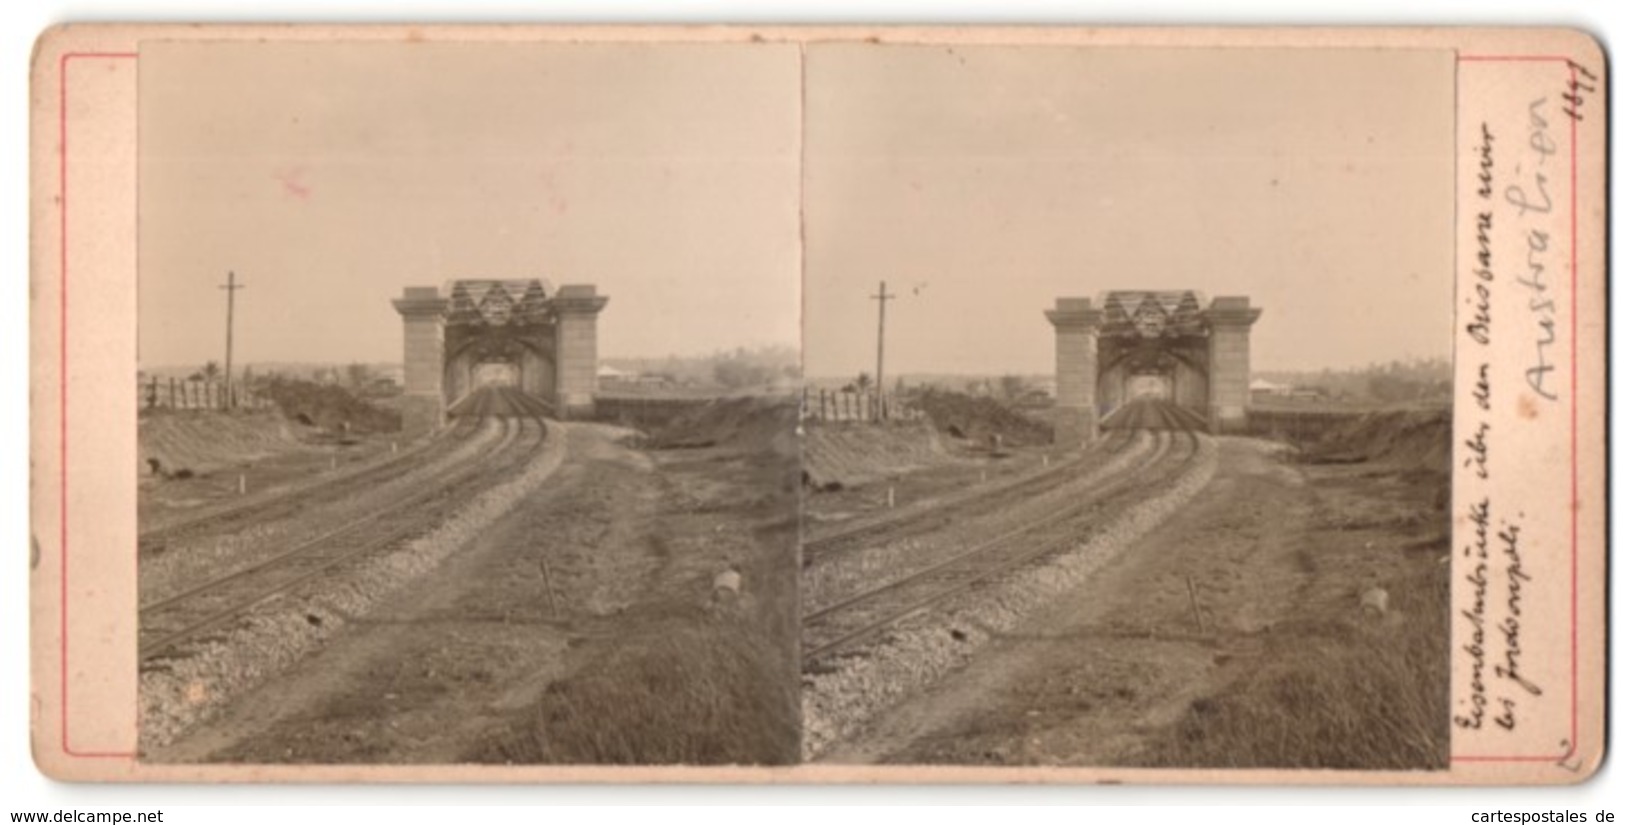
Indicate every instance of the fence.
{"type": "Point", "coordinates": [841, 405]}
{"type": "Point", "coordinates": [182, 394]}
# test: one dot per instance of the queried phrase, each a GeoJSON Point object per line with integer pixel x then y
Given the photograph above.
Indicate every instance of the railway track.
{"type": "Point", "coordinates": [167, 624]}
{"type": "Point", "coordinates": [832, 579]}
{"type": "Point", "coordinates": [1152, 414]}
{"type": "Point", "coordinates": [836, 626]}
{"type": "Point", "coordinates": [275, 504]}
{"type": "Point", "coordinates": [970, 504]}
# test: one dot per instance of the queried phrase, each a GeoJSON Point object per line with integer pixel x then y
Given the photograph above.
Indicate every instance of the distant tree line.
{"type": "Point", "coordinates": [1415, 380]}
{"type": "Point", "coordinates": [736, 369]}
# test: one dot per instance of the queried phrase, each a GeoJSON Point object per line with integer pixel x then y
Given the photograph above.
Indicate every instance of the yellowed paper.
{"type": "Point", "coordinates": [723, 190]}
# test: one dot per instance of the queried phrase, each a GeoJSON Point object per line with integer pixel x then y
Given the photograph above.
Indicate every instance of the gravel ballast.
{"type": "Point", "coordinates": [853, 687]}
{"type": "Point", "coordinates": [202, 556]}
{"type": "Point", "coordinates": [832, 578]}
{"type": "Point", "coordinates": [179, 693]}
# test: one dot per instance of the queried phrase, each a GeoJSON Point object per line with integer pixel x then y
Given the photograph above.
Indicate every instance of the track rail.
{"type": "Point", "coordinates": [863, 614]}
{"type": "Point", "coordinates": [1153, 414]}
{"type": "Point", "coordinates": [167, 623]}
{"type": "Point", "coordinates": [969, 504]}
{"type": "Point", "coordinates": [286, 502]}
{"type": "Point", "coordinates": [834, 580]}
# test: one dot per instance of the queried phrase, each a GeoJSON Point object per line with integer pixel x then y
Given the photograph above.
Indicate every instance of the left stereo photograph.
{"type": "Point", "coordinates": [467, 403]}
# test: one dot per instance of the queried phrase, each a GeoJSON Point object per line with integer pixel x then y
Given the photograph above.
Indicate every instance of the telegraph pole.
{"type": "Point", "coordinates": [230, 286]}
{"type": "Point", "coordinates": [880, 342]}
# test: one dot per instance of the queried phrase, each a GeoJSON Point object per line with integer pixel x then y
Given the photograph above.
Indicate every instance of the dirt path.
{"type": "Point", "coordinates": [1089, 677]}
{"type": "Point", "coordinates": [477, 640]}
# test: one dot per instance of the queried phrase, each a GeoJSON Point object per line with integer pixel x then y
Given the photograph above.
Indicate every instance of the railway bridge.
{"type": "Point", "coordinates": [519, 334]}
{"type": "Point", "coordinates": [1172, 345]}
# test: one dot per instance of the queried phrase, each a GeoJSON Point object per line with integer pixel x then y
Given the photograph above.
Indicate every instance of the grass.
{"type": "Point", "coordinates": [1346, 700]}
{"type": "Point", "coordinates": [682, 690]}
{"type": "Point", "coordinates": [1336, 687]}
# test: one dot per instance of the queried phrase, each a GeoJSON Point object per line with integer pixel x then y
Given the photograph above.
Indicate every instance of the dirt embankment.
{"type": "Point", "coordinates": [310, 422]}
{"type": "Point", "coordinates": [202, 440]}
{"type": "Point", "coordinates": [955, 427]}
{"type": "Point", "coordinates": [745, 424]}
{"type": "Point", "coordinates": [190, 461]}
{"type": "Point", "coordinates": [854, 469]}
{"type": "Point", "coordinates": [849, 455]}
{"type": "Point", "coordinates": [980, 419]}
{"type": "Point", "coordinates": [1414, 439]}
{"type": "Point", "coordinates": [330, 407]}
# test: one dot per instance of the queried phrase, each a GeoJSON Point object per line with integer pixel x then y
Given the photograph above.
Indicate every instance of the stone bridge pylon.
{"type": "Point", "coordinates": [517, 333]}
{"type": "Point", "coordinates": [1170, 344]}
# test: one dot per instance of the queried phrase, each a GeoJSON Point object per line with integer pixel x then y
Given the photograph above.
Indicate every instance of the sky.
{"type": "Point", "coordinates": [330, 177]}
{"type": "Point", "coordinates": [984, 182]}
{"type": "Point", "coordinates": [980, 182]}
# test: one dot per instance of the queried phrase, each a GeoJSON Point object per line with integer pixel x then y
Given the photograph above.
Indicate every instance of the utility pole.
{"type": "Point", "coordinates": [230, 286]}
{"type": "Point", "coordinates": [880, 344]}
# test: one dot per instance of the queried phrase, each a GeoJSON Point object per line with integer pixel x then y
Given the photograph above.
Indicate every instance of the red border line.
{"type": "Point", "coordinates": [1574, 421]}
{"type": "Point", "coordinates": [1574, 418]}
{"type": "Point", "coordinates": [62, 195]}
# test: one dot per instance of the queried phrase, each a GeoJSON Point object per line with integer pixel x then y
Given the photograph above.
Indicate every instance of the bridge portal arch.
{"type": "Point", "coordinates": [514, 358]}
{"type": "Point", "coordinates": [521, 333]}
{"type": "Point", "coordinates": [1173, 343]}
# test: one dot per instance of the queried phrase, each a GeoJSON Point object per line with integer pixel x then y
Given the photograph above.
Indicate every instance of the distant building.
{"type": "Point", "coordinates": [1262, 390]}
{"type": "Point", "coordinates": [610, 376]}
